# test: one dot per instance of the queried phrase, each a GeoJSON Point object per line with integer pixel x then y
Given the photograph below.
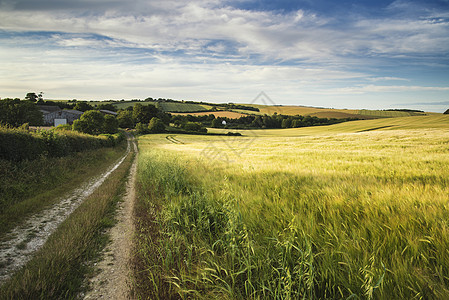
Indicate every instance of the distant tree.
{"type": "Point", "coordinates": [286, 123]}
{"type": "Point", "coordinates": [110, 124]}
{"type": "Point", "coordinates": [446, 112]}
{"type": "Point", "coordinates": [83, 106]}
{"type": "Point", "coordinates": [141, 128]}
{"type": "Point", "coordinates": [91, 122]}
{"type": "Point", "coordinates": [144, 113]}
{"type": "Point", "coordinates": [31, 97]}
{"type": "Point", "coordinates": [107, 106]}
{"type": "Point", "coordinates": [125, 119]}
{"type": "Point", "coordinates": [156, 126]}
{"type": "Point", "coordinates": [217, 123]}
{"type": "Point", "coordinates": [16, 112]}
{"type": "Point", "coordinates": [194, 126]}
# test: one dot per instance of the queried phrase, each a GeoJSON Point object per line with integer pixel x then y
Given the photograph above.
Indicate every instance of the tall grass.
{"type": "Point", "coordinates": [29, 186]}
{"type": "Point", "coordinates": [59, 269]}
{"type": "Point", "coordinates": [348, 216]}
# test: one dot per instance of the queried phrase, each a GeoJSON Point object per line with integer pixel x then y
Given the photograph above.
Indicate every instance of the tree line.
{"type": "Point", "coordinates": [258, 122]}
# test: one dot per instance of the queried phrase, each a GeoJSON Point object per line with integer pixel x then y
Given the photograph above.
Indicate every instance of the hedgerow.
{"type": "Point", "coordinates": [17, 144]}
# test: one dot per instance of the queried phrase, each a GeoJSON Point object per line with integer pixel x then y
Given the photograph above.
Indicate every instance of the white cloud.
{"type": "Point", "coordinates": [299, 35]}
{"type": "Point", "coordinates": [183, 49]}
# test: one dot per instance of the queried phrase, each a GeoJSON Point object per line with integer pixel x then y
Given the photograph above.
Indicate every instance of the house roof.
{"type": "Point", "coordinates": [48, 108]}
{"type": "Point", "coordinates": [74, 111]}
{"type": "Point", "coordinates": [109, 112]}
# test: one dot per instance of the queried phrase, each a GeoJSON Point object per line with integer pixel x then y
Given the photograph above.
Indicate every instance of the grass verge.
{"type": "Point", "coordinates": [28, 187]}
{"type": "Point", "coordinates": [59, 268]}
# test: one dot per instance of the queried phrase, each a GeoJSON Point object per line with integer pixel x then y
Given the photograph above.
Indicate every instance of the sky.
{"type": "Point", "coordinates": [335, 54]}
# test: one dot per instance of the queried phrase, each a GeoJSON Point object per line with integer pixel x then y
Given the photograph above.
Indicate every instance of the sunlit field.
{"type": "Point", "coordinates": [357, 210]}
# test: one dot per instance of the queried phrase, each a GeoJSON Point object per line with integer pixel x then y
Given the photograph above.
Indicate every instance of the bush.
{"type": "Point", "coordinates": [94, 122]}
{"type": "Point", "coordinates": [91, 122]}
{"type": "Point", "coordinates": [156, 126]}
{"type": "Point", "coordinates": [141, 128]}
{"type": "Point", "coordinates": [195, 127]}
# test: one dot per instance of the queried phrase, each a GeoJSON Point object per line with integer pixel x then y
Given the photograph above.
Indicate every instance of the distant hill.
{"type": "Point", "coordinates": [200, 108]}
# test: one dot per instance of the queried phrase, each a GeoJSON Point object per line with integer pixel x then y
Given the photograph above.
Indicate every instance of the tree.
{"type": "Point", "coordinates": [107, 106]}
{"type": "Point", "coordinates": [110, 124]}
{"type": "Point", "coordinates": [144, 113]}
{"type": "Point", "coordinates": [91, 122]}
{"type": "Point", "coordinates": [31, 97]}
{"type": "Point", "coordinates": [217, 123]}
{"type": "Point", "coordinates": [446, 112]}
{"type": "Point", "coordinates": [141, 128]}
{"type": "Point", "coordinates": [83, 106]}
{"type": "Point", "coordinates": [194, 126]}
{"type": "Point", "coordinates": [15, 112]}
{"type": "Point", "coordinates": [156, 126]}
{"type": "Point", "coordinates": [125, 119]}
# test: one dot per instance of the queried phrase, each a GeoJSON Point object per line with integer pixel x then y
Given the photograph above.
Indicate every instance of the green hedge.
{"type": "Point", "coordinates": [20, 144]}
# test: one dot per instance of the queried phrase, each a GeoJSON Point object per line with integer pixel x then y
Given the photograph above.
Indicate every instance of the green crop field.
{"type": "Point", "coordinates": [125, 105]}
{"type": "Point", "coordinates": [387, 113]}
{"type": "Point", "coordinates": [181, 107]}
{"type": "Point", "coordinates": [349, 211]}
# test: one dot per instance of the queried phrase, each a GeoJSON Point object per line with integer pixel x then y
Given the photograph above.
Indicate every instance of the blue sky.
{"type": "Point", "coordinates": [341, 54]}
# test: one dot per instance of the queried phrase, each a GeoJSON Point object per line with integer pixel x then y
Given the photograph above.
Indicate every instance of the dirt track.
{"type": "Point", "coordinates": [113, 272]}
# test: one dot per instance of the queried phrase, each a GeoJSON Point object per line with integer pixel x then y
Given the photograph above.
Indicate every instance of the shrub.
{"type": "Point", "coordinates": [156, 126]}
{"type": "Point", "coordinates": [194, 126]}
{"type": "Point", "coordinates": [91, 122]}
{"type": "Point", "coordinates": [141, 128]}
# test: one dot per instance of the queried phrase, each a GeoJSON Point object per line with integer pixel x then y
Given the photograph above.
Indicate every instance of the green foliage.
{"type": "Point", "coordinates": [19, 144]}
{"type": "Point", "coordinates": [141, 128]}
{"type": "Point", "coordinates": [194, 127]}
{"type": "Point", "coordinates": [31, 97]}
{"type": "Point", "coordinates": [15, 113]}
{"type": "Point", "coordinates": [144, 113]}
{"type": "Point", "coordinates": [217, 123]}
{"type": "Point", "coordinates": [91, 122]}
{"type": "Point", "coordinates": [110, 124]}
{"type": "Point", "coordinates": [255, 122]}
{"type": "Point", "coordinates": [59, 269]}
{"type": "Point", "coordinates": [181, 107]}
{"type": "Point", "coordinates": [94, 122]}
{"type": "Point", "coordinates": [107, 106]}
{"type": "Point", "coordinates": [125, 119]}
{"type": "Point", "coordinates": [156, 126]}
{"type": "Point", "coordinates": [83, 106]}
{"type": "Point", "coordinates": [389, 113]}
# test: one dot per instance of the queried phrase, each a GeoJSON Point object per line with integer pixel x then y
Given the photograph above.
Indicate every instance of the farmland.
{"type": "Point", "coordinates": [217, 114]}
{"type": "Point", "coordinates": [352, 210]}
{"type": "Point", "coordinates": [181, 107]}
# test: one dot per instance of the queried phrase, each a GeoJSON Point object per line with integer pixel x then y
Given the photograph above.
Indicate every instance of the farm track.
{"type": "Point", "coordinates": [113, 272]}
{"type": "Point", "coordinates": [24, 240]}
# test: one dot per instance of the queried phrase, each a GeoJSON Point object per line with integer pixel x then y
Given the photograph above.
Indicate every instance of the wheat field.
{"type": "Point", "coordinates": [357, 210]}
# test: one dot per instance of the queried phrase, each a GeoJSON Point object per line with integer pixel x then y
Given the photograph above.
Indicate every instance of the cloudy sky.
{"type": "Point", "coordinates": [373, 54]}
